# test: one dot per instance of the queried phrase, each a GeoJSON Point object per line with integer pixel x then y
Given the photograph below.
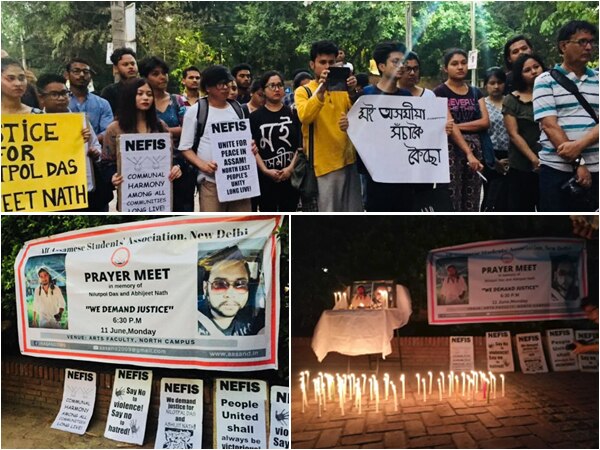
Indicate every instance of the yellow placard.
{"type": "Point", "coordinates": [43, 162]}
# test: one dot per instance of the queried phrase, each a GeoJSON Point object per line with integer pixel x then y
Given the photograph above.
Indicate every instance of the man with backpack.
{"type": "Point", "coordinates": [195, 142]}
{"type": "Point", "coordinates": [565, 103]}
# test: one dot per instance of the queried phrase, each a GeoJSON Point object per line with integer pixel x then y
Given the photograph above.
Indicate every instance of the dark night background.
{"type": "Point", "coordinates": [396, 247]}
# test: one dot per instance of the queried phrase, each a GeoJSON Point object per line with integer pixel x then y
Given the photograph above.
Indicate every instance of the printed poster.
{"type": "Point", "coordinates": [129, 404]}
{"type": "Point", "coordinates": [588, 362]}
{"type": "Point", "coordinates": [240, 413]}
{"type": "Point", "coordinates": [507, 281]}
{"type": "Point", "coordinates": [190, 292]}
{"type": "Point", "coordinates": [401, 139]}
{"type": "Point", "coordinates": [237, 173]}
{"type": "Point", "coordinates": [279, 436]}
{"type": "Point", "coordinates": [43, 162]}
{"type": "Point", "coordinates": [531, 353]}
{"type": "Point", "coordinates": [144, 161]}
{"type": "Point", "coordinates": [78, 400]}
{"type": "Point", "coordinates": [561, 356]}
{"type": "Point", "coordinates": [499, 352]}
{"type": "Point", "coordinates": [462, 356]}
{"type": "Point", "coordinates": [180, 416]}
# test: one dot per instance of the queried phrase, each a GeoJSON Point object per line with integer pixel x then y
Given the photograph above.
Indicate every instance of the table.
{"type": "Point", "coordinates": [357, 332]}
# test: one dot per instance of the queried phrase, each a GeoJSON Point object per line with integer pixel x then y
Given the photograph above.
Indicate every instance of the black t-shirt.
{"type": "Point", "coordinates": [276, 136]}
{"type": "Point", "coordinates": [374, 90]}
{"type": "Point", "coordinates": [462, 107]}
{"type": "Point", "coordinates": [112, 93]}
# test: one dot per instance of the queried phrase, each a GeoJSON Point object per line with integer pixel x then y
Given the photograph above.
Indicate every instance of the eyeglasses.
{"type": "Point", "coordinates": [86, 72]}
{"type": "Point", "coordinates": [221, 284]}
{"type": "Point", "coordinates": [584, 43]}
{"type": "Point", "coordinates": [275, 86]}
{"type": "Point", "coordinates": [223, 84]}
{"type": "Point", "coordinates": [411, 69]}
{"type": "Point", "coordinates": [56, 94]}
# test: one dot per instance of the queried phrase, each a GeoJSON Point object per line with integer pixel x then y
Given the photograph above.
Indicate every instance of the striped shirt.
{"type": "Point", "coordinates": [551, 99]}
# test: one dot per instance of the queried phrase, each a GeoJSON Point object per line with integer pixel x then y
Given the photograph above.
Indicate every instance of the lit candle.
{"type": "Point", "coordinates": [319, 404]}
{"type": "Point", "coordinates": [303, 392]}
{"type": "Point", "coordinates": [424, 390]}
{"type": "Point", "coordinates": [450, 384]}
{"type": "Point", "coordinates": [404, 396]}
{"type": "Point", "coordinates": [316, 388]}
{"type": "Point", "coordinates": [359, 397]}
{"type": "Point", "coordinates": [430, 381]}
{"type": "Point", "coordinates": [370, 389]}
{"type": "Point", "coordinates": [456, 384]}
{"type": "Point", "coordinates": [386, 380]}
{"type": "Point", "coordinates": [345, 299]}
{"type": "Point", "coordinates": [418, 384]}
{"type": "Point", "coordinates": [462, 374]}
{"type": "Point", "coordinates": [323, 396]}
{"type": "Point", "coordinates": [440, 389]}
{"type": "Point", "coordinates": [502, 378]}
{"type": "Point", "coordinates": [364, 383]}
{"type": "Point", "coordinates": [443, 381]}
{"type": "Point", "coordinates": [376, 396]}
{"type": "Point", "coordinates": [395, 396]}
{"type": "Point", "coordinates": [341, 395]}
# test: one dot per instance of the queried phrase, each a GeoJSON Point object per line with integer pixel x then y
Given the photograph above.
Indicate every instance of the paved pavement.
{"type": "Point", "coordinates": [553, 410]}
{"type": "Point", "coordinates": [25, 426]}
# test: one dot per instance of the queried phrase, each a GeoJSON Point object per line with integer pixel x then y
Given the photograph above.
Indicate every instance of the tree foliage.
{"type": "Point", "coordinates": [278, 34]}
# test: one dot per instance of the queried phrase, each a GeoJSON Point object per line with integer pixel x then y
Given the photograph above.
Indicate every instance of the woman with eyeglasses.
{"type": "Point", "coordinates": [275, 129]}
{"type": "Point", "coordinates": [137, 114]}
{"type": "Point", "coordinates": [14, 86]}
{"type": "Point", "coordinates": [411, 74]}
{"type": "Point", "coordinates": [524, 132]}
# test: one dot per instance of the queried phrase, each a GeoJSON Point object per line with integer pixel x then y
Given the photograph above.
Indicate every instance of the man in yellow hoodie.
{"type": "Point", "coordinates": [325, 112]}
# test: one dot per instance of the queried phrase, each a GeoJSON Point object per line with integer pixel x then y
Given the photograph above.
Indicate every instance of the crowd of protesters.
{"type": "Point", "coordinates": [530, 144]}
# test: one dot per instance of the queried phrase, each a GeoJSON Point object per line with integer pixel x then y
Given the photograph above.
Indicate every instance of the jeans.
{"type": "Point", "coordinates": [554, 199]}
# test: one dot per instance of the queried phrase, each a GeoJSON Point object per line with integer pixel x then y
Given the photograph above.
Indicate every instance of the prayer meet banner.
{"type": "Point", "coordinates": [43, 162]}
{"type": "Point", "coordinates": [401, 139]}
{"type": "Point", "coordinates": [507, 281]}
{"type": "Point", "coordinates": [237, 173]}
{"type": "Point", "coordinates": [144, 161]}
{"type": "Point", "coordinates": [187, 292]}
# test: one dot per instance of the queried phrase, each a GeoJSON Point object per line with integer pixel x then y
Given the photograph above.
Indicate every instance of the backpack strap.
{"type": "Point", "coordinates": [241, 112]}
{"type": "Point", "coordinates": [201, 116]}
{"type": "Point", "coordinates": [571, 87]}
{"type": "Point", "coordinates": [311, 135]}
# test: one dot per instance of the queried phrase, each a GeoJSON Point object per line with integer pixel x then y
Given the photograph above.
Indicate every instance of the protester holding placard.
{"type": "Point", "coordinates": [170, 108]}
{"type": "Point", "coordinates": [321, 110]}
{"type": "Point", "coordinates": [137, 114]}
{"type": "Point", "coordinates": [14, 85]}
{"type": "Point", "coordinates": [471, 117]}
{"type": "Point", "coordinates": [195, 139]}
{"type": "Point", "coordinates": [54, 98]}
{"type": "Point", "coordinates": [275, 129]}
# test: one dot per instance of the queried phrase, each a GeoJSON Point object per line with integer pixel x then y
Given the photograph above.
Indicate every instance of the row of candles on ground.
{"type": "Point", "coordinates": [353, 388]}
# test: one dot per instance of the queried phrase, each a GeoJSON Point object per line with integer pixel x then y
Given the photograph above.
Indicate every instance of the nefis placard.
{"type": "Point", "coordinates": [177, 292]}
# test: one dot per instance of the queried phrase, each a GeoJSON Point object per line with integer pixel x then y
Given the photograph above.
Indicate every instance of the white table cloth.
{"type": "Point", "coordinates": [357, 332]}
